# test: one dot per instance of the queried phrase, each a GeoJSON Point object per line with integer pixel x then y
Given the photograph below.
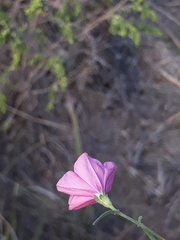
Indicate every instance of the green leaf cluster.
{"type": "Point", "coordinates": [133, 28]}
{"type": "Point", "coordinates": [35, 8]}
{"type": "Point", "coordinates": [70, 10]}
{"type": "Point", "coordinates": [148, 29]}
{"type": "Point", "coordinates": [124, 28]}
{"type": "Point", "coordinates": [142, 7]}
{"type": "Point", "coordinates": [6, 125]}
{"type": "Point", "coordinates": [38, 58]}
{"type": "Point", "coordinates": [5, 32]}
{"type": "Point", "coordinates": [3, 104]}
{"type": "Point", "coordinates": [67, 16]}
{"type": "Point", "coordinates": [56, 64]}
{"type": "Point", "coordinates": [52, 96]}
{"type": "Point", "coordinates": [18, 48]}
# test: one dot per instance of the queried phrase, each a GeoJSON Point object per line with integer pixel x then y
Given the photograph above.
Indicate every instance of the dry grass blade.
{"type": "Point", "coordinates": [165, 13]}
{"type": "Point", "coordinates": [45, 192]}
{"type": "Point", "coordinates": [174, 119]}
{"type": "Point", "coordinates": [9, 228]}
{"type": "Point", "coordinates": [15, 7]}
{"type": "Point", "coordinates": [168, 77]}
{"type": "Point", "coordinates": [45, 122]}
{"type": "Point", "coordinates": [77, 137]}
{"type": "Point", "coordinates": [171, 4]}
{"type": "Point", "coordinates": [173, 37]}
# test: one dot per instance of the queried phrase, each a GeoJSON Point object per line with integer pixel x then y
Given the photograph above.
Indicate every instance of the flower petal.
{"type": "Point", "coordinates": [91, 171]}
{"type": "Point", "coordinates": [109, 173]}
{"type": "Point", "coordinates": [72, 184]}
{"type": "Point", "coordinates": [77, 202]}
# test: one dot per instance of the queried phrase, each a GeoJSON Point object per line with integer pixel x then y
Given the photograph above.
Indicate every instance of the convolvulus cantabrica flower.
{"type": "Point", "coordinates": [90, 180]}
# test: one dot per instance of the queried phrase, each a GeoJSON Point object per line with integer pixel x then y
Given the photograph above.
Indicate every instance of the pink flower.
{"type": "Point", "coordinates": [90, 180]}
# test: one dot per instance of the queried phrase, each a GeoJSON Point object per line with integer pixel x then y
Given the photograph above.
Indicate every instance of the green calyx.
{"type": "Point", "coordinates": [104, 200]}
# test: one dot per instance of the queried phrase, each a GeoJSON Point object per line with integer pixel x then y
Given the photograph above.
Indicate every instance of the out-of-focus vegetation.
{"type": "Point", "coordinates": [29, 44]}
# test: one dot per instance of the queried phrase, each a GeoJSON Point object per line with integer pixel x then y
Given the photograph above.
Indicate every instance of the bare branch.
{"type": "Point", "coordinates": [45, 122]}
{"type": "Point", "coordinates": [168, 77]}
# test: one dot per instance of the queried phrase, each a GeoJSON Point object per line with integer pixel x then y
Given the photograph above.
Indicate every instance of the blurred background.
{"type": "Point", "coordinates": [102, 77]}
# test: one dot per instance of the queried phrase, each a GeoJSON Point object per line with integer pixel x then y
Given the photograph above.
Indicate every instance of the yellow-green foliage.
{"type": "Point", "coordinates": [37, 59]}
{"type": "Point", "coordinates": [5, 31]}
{"type": "Point", "coordinates": [6, 125]}
{"type": "Point", "coordinates": [18, 48]}
{"type": "Point", "coordinates": [77, 8]}
{"type": "Point", "coordinates": [8, 35]}
{"type": "Point", "coordinates": [3, 105]}
{"type": "Point", "coordinates": [52, 96]}
{"type": "Point", "coordinates": [70, 10]}
{"type": "Point", "coordinates": [35, 8]}
{"type": "Point", "coordinates": [66, 16]}
{"type": "Point", "coordinates": [124, 28]}
{"type": "Point", "coordinates": [67, 31]}
{"type": "Point", "coordinates": [143, 8]}
{"type": "Point", "coordinates": [148, 29]}
{"type": "Point", "coordinates": [110, 3]}
{"type": "Point", "coordinates": [133, 29]}
{"type": "Point", "coordinates": [56, 64]}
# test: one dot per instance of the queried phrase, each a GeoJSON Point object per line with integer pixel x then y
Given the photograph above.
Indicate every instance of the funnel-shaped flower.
{"type": "Point", "coordinates": [89, 180]}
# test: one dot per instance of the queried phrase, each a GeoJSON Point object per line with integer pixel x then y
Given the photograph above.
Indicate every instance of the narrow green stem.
{"type": "Point", "coordinates": [106, 202]}
{"type": "Point", "coordinates": [148, 231]}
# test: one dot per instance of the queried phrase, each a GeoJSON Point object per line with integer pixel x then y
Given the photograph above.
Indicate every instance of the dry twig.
{"type": "Point", "coordinates": [173, 37]}
{"type": "Point", "coordinates": [174, 119]}
{"type": "Point", "coordinates": [45, 122]}
{"type": "Point", "coordinates": [168, 77]}
{"type": "Point", "coordinates": [9, 228]}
